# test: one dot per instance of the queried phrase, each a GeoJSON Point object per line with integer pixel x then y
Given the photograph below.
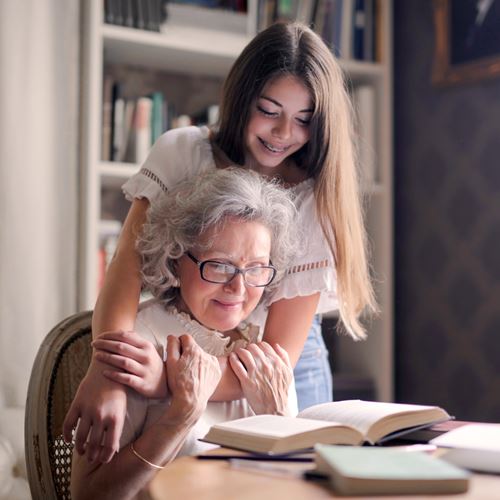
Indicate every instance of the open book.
{"type": "Point", "coordinates": [351, 422]}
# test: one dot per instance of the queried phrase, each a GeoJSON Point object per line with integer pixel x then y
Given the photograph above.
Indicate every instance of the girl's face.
{"type": "Point", "coordinates": [278, 125]}
{"type": "Point", "coordinates": [217, 306]}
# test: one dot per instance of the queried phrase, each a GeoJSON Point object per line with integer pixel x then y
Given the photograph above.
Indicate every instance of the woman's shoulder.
{"type": "Point", "coordinates": [155, 321]}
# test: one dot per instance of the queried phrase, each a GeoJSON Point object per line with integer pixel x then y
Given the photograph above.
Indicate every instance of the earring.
{"type": "Point", "coordinates": [176, 283]}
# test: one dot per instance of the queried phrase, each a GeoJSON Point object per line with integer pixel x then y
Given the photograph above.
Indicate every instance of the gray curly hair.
{"type": "Point", "coordinates": [174, 226]}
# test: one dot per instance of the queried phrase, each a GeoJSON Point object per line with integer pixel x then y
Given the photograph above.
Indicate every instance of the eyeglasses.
{"type": "Point", "coordinates": [222, 273]}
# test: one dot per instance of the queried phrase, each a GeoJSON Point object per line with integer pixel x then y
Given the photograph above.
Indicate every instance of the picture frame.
{"type": "Point", "coordinates": [467, 41]}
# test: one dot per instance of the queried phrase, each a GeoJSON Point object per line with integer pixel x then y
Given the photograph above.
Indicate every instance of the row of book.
{"type": "Point", "coordinates": [141, 14]}
{"type": "Point", "coordinates": [131, 124]}
{"type": "Point", "coordinates": [349, 27]}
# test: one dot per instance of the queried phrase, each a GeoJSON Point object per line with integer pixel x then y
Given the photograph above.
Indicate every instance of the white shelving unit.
{"type": "Point", "coordinates": [192, 51]}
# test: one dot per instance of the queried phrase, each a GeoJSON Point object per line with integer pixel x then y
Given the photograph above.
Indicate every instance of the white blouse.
{"type": "Point", "coordinates": [155, 323]}
{"type": "Point", "coordinates": [182, 153]}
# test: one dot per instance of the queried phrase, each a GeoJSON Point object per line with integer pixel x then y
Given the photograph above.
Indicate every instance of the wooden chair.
{"type": "Point", "coordinates": [60, 365]}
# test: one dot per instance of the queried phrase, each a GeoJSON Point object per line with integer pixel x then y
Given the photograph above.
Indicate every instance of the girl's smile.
{"type": "Point", "coordinates": [278, 125]}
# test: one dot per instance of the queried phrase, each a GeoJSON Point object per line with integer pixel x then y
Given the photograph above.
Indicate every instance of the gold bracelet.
{"type": "Point", "coordinates": [142, 459]}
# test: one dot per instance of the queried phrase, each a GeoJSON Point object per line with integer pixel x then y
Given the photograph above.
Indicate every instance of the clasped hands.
{"type": "Point", "coordinates": [189, 374]}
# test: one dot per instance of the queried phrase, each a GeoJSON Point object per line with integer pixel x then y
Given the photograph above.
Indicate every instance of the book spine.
{"type": "Point", "coordinates": [107, 118]}
{"type": "Point", "coordinates": [347, 28]}
{"type": "Point", "coordinates": [118, 117]}
{"type": "Point", "coordinates": [368, 54]}
{"type": "Point", "coordinates": [142, 129]}
{"type": "Point", "coordinates": [365, 103]}
{"type": "Point", "coordinates": [359, 29]}
{"type": "Point", "coordinates": [156, 116]}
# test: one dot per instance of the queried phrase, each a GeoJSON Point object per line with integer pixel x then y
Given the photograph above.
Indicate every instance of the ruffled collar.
{"type": "Point", "coordinates": [212, 341]}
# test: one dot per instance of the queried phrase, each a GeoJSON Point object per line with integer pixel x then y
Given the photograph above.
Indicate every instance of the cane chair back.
{"type": "Point", "coordinates": [60, 365]}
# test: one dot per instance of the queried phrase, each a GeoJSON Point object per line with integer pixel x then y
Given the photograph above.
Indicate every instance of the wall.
{"type": "Point", "coordinates": [447, 225]}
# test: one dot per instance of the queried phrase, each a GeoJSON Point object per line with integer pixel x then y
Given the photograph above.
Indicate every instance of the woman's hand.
{"type": "Point", "coordinates": [265, 375]}
{"type": "Point", "coordinates": [139, 365]}
{"type": "Point", "coordinates": [99, 408]}
{"type": "Point", "coordinates": [192, 376]}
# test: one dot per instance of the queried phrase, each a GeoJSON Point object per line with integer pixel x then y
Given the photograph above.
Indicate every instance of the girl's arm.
{"type": "Point", "coordinates": [288, 323]}
{"type": "Point", "coordinates": [116, 306]}
{"type": "Point", "coordinates": [140, 368]}
{"type": "Point", "coordinates": [99, 403]}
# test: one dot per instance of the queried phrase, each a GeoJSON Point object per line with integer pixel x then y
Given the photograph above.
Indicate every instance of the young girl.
{"type": "Point", "coordinates": [286, 114]}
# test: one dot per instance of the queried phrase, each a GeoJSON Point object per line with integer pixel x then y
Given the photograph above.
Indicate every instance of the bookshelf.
{"type": "Point", "coordinates": [201, 53]}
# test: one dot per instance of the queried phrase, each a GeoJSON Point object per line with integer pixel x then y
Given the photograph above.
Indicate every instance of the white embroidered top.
{"type": "Point", "coordinates": [182, 153]}
{"type": "Point", "coordinates": [155, 323]}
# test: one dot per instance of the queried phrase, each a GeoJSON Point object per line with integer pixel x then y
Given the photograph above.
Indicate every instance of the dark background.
{"type": "Point", "coordinates": [447, 229]}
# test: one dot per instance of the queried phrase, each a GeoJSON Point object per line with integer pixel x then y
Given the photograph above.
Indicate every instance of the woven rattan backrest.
{"type": "Point", "coordinates": [61, 363]}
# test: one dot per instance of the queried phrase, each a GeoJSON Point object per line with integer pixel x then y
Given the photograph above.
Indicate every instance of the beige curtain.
{"type": "Point", "coordinates": [38, 180]}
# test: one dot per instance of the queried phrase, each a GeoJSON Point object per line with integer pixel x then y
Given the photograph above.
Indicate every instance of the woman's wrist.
{"type": "Point", "coordinates": [182, 412]}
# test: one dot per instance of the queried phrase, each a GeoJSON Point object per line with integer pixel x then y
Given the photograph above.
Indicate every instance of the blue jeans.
{"type": "Point", "coordinates": [313, 377]}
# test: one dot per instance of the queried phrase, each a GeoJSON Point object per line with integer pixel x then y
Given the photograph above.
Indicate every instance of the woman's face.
{"type": "Point", "coordinates": [278, 125]}
{"type": "Point", "coordinates": [222, 307]}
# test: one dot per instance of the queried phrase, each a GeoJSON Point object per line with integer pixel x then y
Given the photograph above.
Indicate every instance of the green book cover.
{"type": "Point", "coordinates": [376, 470]}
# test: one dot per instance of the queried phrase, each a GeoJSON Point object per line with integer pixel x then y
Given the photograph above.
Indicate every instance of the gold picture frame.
{"type": "Point", "coordinates": [467, 47]}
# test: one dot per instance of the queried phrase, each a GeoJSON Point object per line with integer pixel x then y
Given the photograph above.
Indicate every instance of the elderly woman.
{"type": "Point", "coordinates": [209, 255]}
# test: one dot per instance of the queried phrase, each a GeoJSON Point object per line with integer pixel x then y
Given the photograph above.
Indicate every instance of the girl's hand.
{"type": "Point", "coordinates": [99, 406]}
{"type": "Point", "coordinates": [139, 365]}
{"type": "Point", "coordinates": [265, 375]}
{"type": "Point", "coordinates": [192, 376]}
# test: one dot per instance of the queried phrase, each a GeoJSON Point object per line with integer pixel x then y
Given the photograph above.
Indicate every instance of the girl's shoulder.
{"type": "Point", "coordinates": [184, 140]}
{"type": "Point", "coordinates": [177, 155]}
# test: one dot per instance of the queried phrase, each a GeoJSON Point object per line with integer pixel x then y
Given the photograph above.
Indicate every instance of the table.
{"type": "Point", "coordinates": [188, 478]}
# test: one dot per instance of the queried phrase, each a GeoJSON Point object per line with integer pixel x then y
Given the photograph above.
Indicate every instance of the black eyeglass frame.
{"type": "Point", "coordinates": [201, 265]}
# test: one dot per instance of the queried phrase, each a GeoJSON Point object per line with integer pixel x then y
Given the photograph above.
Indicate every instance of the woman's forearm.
{"type": "Point", "coordinates": [127, 474]}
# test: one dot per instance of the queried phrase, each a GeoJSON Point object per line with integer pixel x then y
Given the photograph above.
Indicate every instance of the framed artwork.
{"type": "Point", "coordinates": [467, 38]}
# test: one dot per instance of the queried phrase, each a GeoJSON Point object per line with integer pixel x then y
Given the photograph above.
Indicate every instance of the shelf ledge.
{"type": "Point", "coordinates": [180, 49]}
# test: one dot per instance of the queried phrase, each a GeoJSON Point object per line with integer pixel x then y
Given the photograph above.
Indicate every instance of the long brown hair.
{"type": "Point", "coordinates": [328, 157]}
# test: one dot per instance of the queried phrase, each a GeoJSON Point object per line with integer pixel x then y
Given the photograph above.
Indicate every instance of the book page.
{"type": "Point", "coordinates": [272, 425]}
{"type": "Point", "coordinates": [356, 413]}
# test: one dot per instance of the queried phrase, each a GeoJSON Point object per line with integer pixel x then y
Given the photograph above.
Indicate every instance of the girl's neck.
{"type": "Point", "coordinates": [288, 173]}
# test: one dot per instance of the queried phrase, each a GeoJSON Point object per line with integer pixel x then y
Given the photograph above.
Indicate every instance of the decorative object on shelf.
{"type": "Point", "coordinates": [467, 41]}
